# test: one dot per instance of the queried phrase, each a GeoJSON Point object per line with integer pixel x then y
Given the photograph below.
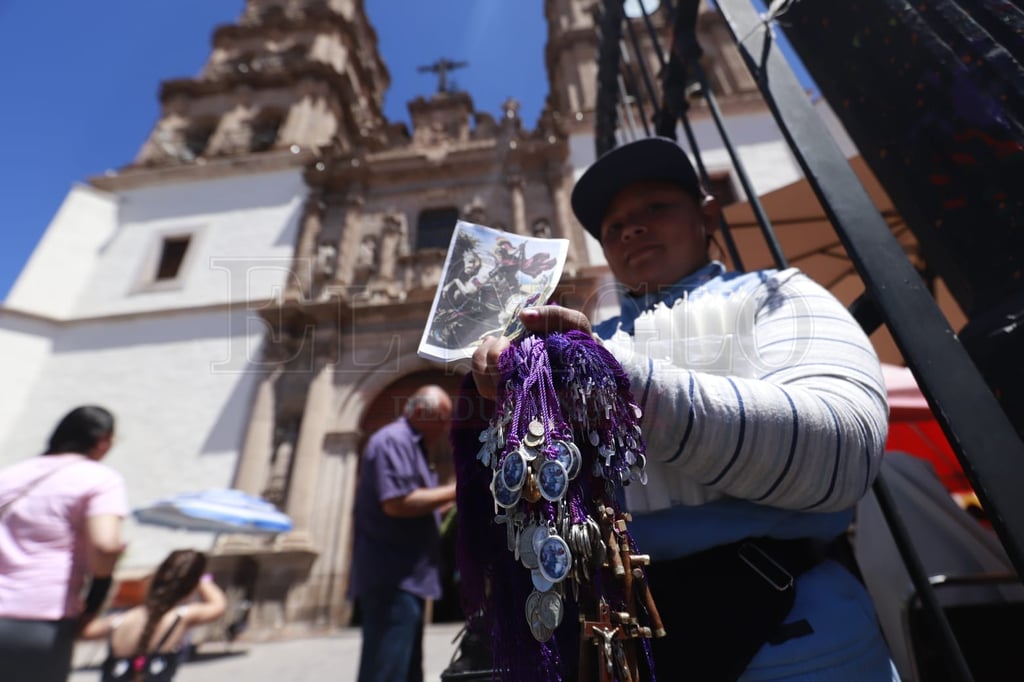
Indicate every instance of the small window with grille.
{"type": "Point", "coordinates": [197, 138]}
{"type": "Point", "coordinates": [435, 227]}
{"type": "Point", "coordinates": [265, 130]}
{"type": "Point", "coordinates": [167, 260]}
{"type": "Point", "coordinates": [172, 255]}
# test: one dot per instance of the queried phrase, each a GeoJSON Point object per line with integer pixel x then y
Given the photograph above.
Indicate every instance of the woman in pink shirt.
{"type": "Point", "coordinates": [60, 521]}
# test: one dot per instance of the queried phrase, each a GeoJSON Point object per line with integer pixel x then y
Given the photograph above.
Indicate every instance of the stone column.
{"type": "Point", "coordinates": [393, 245]}
{"type": "Point", "coordinates": [564, 222]}
{"type": "Point", "coordinates": [302, 498]}
{"type": "Point", "coordinates": [390, 246]}
{"type": "Point", "coordinates": [300, 279]}
{"type": "Point", "coordinates": [253, 471]}
{"type": "Point", "coordinates": [351, 235]}
{"type": "Point", "coordinates": [341, 609]}
{"type": "Point", "coordinates": [334, 523]}
{"type": "Point", "coordinates": [515, 186]}
{"type": "Point", "coordinates": [254, 461]}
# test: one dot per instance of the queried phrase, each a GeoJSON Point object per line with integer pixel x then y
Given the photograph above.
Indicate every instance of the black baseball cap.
{"type": "Point", "coordinates": [650, 158]}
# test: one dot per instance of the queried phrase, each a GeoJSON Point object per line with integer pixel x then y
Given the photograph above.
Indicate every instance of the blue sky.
{"type": "Point", "coordinates": [81, 80]}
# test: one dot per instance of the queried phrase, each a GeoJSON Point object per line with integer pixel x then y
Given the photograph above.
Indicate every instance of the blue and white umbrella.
{"type": "Point", "coordinates": [216, 511]}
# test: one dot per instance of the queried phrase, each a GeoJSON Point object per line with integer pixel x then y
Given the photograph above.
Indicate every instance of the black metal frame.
{"type": "Point", "coordinates": [984, 440]}
{"type": "Point", "coordinates": [986, 443]}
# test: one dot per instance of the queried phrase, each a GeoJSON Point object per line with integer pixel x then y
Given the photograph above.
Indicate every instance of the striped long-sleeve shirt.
{"type": "Point", "coordinates": [757, 386]}
{"type": "Point", "coordinates": [764, 415]}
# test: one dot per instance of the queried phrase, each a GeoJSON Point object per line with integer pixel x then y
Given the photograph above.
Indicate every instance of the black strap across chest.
{"type": "Point", "coordinates": [120, 668]}
{"type": "Point", "coordinates": [167, 635]}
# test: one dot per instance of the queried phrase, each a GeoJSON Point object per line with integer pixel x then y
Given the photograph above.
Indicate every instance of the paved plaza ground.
{"type": "Point", "coordinates": [333, 657]}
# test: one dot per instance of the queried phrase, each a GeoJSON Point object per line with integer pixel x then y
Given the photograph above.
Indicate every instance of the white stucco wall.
{"type": "Point", "coordinates": [181, 416]}
{"type": "Point", "coordinates": [25, 344]}
{"type": "Point", "coordinates": [64, 259]}
{"type": "Point", "coordinates": [85, 324]}
{"type": "Point", "coordinates": [242, 231]}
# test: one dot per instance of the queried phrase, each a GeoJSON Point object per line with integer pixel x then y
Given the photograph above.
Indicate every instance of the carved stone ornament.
{"type": "Point", "coordinates": [541, 228]}
{"type": "Point", "coordinates": [326, 260]}
{"type": "Point", "coordinates": [475, 212]}
{"type": "Point", "coordinates": [367, 261]}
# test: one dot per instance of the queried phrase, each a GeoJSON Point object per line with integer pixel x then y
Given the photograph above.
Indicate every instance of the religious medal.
{"type": "Point", "coordinates": [562, 441]}
{"type": "Point", "coordinates": [527, 554]}
{"type": "Point", "coordinates": [553, 480]}
{"type": "Point", "coordinates": [568, 454]}
{"type": "Point", "coordinates": [540, 631]}
{"type": "Point", "coordinates": [540, 583]}
{"type": "Point", "coordinates": [503, 495]}
{"type": "Point", "coordinates": [528, 453]}
{"type": "Point", "coordinates": [554, 559]}
{"type": "Point", "coordinates": [513, 470]}
{"type": "Point", "coordinates": [551, 609]}
{"type": "Point", "coordinates": [540, 534]}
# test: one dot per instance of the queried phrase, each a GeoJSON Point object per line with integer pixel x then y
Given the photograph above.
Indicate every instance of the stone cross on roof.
{"type": "Point", "coordinates": [441, 67]}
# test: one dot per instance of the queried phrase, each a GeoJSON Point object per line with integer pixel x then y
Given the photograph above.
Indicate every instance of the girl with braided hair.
{"type": "Point", "coordinates": [144, 642]}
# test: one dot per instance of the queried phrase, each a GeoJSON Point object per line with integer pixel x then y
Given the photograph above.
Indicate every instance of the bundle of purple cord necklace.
{"type": "Point", "coordinates": [569, 596]}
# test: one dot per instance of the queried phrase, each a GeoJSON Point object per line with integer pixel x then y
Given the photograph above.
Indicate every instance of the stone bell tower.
{"type": "Point", "coordinates": [288, 76]}
{"type": "Point", "coordinates": [574, 62]}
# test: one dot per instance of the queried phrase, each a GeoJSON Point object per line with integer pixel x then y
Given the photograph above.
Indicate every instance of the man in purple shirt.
{"type": "Point", "coordinates": [397, 543]}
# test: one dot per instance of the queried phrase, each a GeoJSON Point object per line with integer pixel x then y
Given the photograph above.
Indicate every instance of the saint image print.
{"type": "Point", "coordinates": [489, 276]}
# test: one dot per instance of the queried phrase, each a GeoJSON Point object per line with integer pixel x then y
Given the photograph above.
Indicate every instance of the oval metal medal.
{"type": "Point", "coordinates": [553, 480]}
{"type": "Point", "coordinates": [551, 609]}
{"type": "Point", "coordinates": [513, 470]}
{"type": "Point", "coordinates": [527, 554]}
{"type": "Point", "coordinates": [541, 534]}
{"type": "Point", "coordinates": [568, 454]}
{"type": "Point", "coordinates": [539, 581]}
{"type": "Point", "coordinates": [560, 449]}
{"type": "Point", "coordinates": [538, 629]}
{"type": "Point", "coordinates": [576, 460]}
{"type": "Point", "coordinates": [502, 494]}
{"type": "Point", "coordinates": [554, 559]}
{"type": "Point", "coordinates": [528, 453]}
{"type": "Point", "coordinates": [532, 606]}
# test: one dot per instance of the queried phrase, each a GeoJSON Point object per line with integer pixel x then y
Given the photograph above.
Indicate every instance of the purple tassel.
{"type": "Point", "coordinates": [476, 543]}
{"type": "Point", "coordinates": [576, 389]}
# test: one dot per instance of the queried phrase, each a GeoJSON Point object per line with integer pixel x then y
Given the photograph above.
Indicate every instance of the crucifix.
{"type": "Point", "coordinates": [615, 634]}
{"type": "Point", "coordinates": [441, 67]}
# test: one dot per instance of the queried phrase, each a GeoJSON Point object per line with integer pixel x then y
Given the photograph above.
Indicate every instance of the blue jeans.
{"type": "Point", "coordinates": [392, 636]}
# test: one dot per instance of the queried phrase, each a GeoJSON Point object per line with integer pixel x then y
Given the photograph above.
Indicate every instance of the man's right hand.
{"type": "Point", "coordinates": [485, 365]}
{"type": "Point", "coordinates": [543, 319]}
{"type": "Point", "coordinates": [546, 319]}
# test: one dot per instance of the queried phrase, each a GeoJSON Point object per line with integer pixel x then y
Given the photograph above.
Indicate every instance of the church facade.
{"type": "Point", "coordinates": [247, 295]}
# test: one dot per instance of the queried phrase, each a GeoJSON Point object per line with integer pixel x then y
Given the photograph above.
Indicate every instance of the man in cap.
{"type": "Point", "coordinates": [765, 420]}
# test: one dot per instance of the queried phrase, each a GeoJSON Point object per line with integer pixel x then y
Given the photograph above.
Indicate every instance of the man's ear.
{"type": "Point", "coordinates": [711, 210]}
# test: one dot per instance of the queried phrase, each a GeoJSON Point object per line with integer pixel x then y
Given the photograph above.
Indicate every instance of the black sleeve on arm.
{"type": "Point", "coordinates": [98, 589]}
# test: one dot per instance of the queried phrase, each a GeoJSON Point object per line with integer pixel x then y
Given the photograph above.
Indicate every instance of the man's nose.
{"type": "Point", "coordinates": [633, 228]}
